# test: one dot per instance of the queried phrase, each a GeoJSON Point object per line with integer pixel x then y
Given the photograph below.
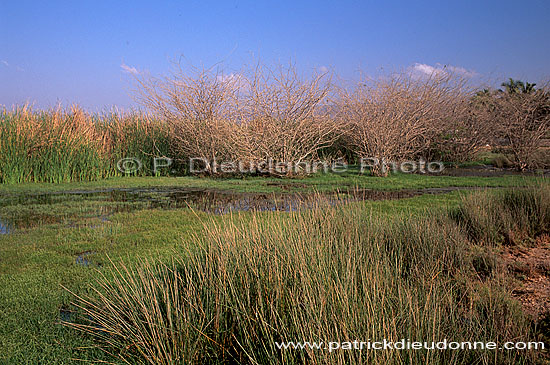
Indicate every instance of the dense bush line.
{"type": "Point", "coordinates": [277, 115]}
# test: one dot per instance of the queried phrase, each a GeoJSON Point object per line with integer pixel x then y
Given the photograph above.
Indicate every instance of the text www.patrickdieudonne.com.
{"type": "Point", "coordinates": [405, 344]}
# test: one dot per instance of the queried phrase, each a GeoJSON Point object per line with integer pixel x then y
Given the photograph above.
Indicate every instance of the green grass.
{"type": "Point", "coordinates": [482, 158]}
{"type": "Point", "coordinates": [321, 183]}
{"type": "Point", "coordinates": [327, 274]}
{"type": "Point", "coordinates": [36, 261]}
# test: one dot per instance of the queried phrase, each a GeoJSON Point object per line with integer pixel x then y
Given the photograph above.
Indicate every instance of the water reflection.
{"type": "Point", "coordinates": [37, 209]}
{"type": "Point", "coordinates": [5, 227]}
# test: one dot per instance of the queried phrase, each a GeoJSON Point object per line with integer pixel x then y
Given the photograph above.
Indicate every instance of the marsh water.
{"type": "Point", "coordinates": [491, 171]}
{"type": "Point", "coordinates": [78, 207]}
{"type": "Point", "coordinates": [19, 211]}
{"type": "Point", "coordinates": [71, 208]}
{"type": "Point", "coordinates": [4, 227]}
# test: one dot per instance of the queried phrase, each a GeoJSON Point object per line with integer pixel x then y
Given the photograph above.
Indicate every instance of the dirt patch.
{"type": "Point", "coordinates": [531, 267]}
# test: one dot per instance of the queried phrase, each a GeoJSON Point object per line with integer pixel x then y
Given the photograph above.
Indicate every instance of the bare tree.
{"type": "Point", "coordinates": [200, 106]}
{"type": "Point", "coordinates": [521, 122]}
{"type": "Point", "coordinates": [400, 117]}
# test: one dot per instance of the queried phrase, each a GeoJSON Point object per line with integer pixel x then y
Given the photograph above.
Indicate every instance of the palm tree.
{"type": "Point", "coordinates": [518, 87]}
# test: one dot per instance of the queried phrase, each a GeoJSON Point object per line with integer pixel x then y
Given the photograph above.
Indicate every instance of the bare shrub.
{"type": "Point", "coordinates": [273, 114]}
{"type": "Point", "coordinates": [516, 121]}
{"type": "Point", "coordinates": [401, 117]}
{"type": "Point", "coordinates": [200, 106]}
{"type": "Point", "coordinates": [287, 115]}
{"type": "Point", "coordinates": [521, 122]}
{"type": "Point", "coordinates": [464, 131]}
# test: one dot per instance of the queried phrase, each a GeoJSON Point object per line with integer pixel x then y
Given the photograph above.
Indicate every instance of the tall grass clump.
{"type": "Point", "coordinates": [506, 216]}
{"type": "Point", "coordinates": [135, 135]}
{"type": "Point", "coordinates": [70, 145]}
{"type": "Point", "coordinates": [53, 146]}
{"type": "Point", "coordinates": [327, 274]}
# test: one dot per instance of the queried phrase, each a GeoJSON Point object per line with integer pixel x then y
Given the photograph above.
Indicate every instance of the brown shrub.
{"type": "Point", "coordinates": [287, 116]}
{"type": "Point", "coordinates": [200, 106]}
{"type": "Point", "coordinates": [521, 121]}
{"type": "Point", "coordinates": [267, 115]}
{"type": "Point", "coordinates": [402, 117]}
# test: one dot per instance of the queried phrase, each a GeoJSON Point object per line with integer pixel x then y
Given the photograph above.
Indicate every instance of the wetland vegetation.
{"type": "Point", "coordinates": [100, 264]}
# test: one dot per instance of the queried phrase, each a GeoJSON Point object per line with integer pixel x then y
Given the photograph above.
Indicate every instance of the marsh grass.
{"type": "Point", "coordinates": [49, 147]}
{"type": "Point", "coordinates": [506, 216]}
{"type": "Point", "coordinates": [135, 135]}
{"type": "Point", "coordinates": [69, 145]}
{"type": "Point", "coordinates": [325, 274]}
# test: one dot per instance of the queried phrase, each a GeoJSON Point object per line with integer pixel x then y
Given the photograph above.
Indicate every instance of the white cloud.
{"type": "Point", "coordinates": [426, 70]}
{"type": "Point", "coordinates": [229, 78]}
{"type": "Point", "coordinates": [16, 67]}
{"type": "Point", "coordinates": [420, 70]}
{"type": "Point", "coordinates": [129, 70]}
{"type": "Point", "coordinates": [462, 71]}
{"type": "Point", "coordinates": [323, 69]}
{"type": "Point", "coordinates": [237, 80]}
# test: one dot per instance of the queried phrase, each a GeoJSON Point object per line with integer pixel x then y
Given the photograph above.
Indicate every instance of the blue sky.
{"type": "Point", "coordinates": [81, 51]}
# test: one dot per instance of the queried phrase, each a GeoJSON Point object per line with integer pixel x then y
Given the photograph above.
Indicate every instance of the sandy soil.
{"type": "Point", "coordinates": [531, 266]}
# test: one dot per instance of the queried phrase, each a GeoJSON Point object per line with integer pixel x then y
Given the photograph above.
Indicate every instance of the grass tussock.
{"type": "Point", "coordinates": [330, 274]}
{"type": "Point", "coordinates": [506, 216]}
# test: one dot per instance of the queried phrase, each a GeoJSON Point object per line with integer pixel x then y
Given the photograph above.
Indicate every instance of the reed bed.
{"type": "Point", "coordinates": [326, 274]}
{"type": "Point", "coordinates": [135, 135]}
{"type": "Point", "coordinates": [71, 145]}
{"type": "Point", "coordinates": [51, 147]}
